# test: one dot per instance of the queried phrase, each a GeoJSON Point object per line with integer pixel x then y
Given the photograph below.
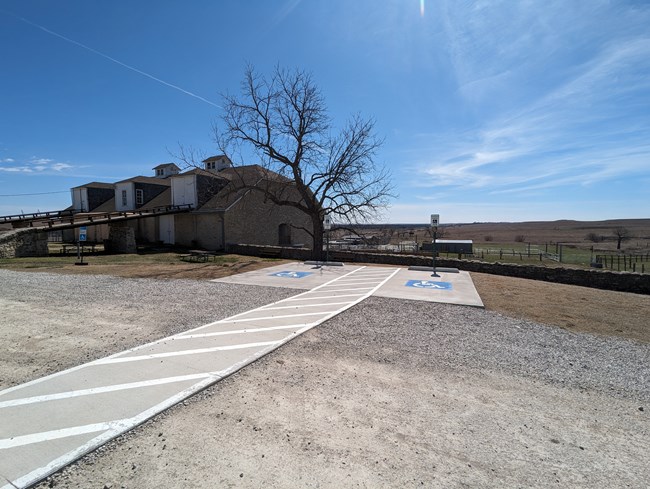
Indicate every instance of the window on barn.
{"type": "Point", "coordinates": [124, 201]}
{"type": "Point", "coordinates": [139, 197]}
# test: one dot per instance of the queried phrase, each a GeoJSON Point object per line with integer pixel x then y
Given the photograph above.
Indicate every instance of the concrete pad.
{"type": "Point", "coordinates": [449, 288]}
{"type": "Point", "coordinates": [290, 275]}
{"type": "Point", "coordinates": [452, 287]}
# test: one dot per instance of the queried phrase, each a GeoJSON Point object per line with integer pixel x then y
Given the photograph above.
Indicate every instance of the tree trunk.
{"type": "Point", "coordinates": [317, 252]}
{"type": "Point", "coordinates": [618, 244]}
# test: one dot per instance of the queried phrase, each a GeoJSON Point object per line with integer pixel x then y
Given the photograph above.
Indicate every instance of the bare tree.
{"type": "Point", "coordinates": [441, 232]}
{"type": "Point", "coordinates": [593, 237]}
{"type": "Point", "coordinates": [283, 120]}
{"type": "Point", "coordinates": [621, 234]}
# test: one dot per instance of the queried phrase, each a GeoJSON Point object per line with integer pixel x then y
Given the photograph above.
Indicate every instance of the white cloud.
{"type": "Point", "coordinates": [35, 166]}
{"type": "Point", "coordinates": [591, 128]}
{"type": "Point", "coordinates": [61, 166]}
{"type": "Point", "coordinates": [40, 161]}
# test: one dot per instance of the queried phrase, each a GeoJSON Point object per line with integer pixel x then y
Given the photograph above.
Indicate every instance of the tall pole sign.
{"type": "Point", "coordinates": [435, 220]}
{"type": "Point", "coordinates": [327, 225]}
{"type": "Point", "coordinates": [82, 237]}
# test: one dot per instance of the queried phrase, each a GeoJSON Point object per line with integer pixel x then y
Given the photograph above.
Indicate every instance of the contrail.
{"type": "Point", "coordinates": [116, 61]}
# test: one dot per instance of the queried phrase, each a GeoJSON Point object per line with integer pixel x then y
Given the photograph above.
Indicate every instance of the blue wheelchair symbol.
{"type": "Point", "coordinates": [289, 274]}
{"type": "Point", "coordinates": [429, 284]}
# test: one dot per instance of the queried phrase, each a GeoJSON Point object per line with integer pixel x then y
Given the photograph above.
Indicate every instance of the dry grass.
{"type": "Point", "coordinates": [574, 308]}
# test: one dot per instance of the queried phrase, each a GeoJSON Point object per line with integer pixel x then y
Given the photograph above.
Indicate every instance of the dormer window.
{"type": "Point", "coordinates": [211, 165]}
{"type": "Point", "coordinates": [160, 172]}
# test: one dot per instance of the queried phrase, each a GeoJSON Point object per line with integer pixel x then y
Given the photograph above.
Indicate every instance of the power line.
{"type": "Point", "coordinates": [41, 193]}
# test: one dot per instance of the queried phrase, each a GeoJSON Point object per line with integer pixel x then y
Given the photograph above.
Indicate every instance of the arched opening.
{"type": "Point", "coordinates": [284, 235]}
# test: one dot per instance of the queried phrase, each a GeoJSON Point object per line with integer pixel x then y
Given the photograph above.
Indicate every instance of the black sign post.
{"type": "Point", "coordinates": [435, 219]}
{"type": "Point", "coordinates": [82, 237]}
{"type": "Point", "coordinates": [327, 225]}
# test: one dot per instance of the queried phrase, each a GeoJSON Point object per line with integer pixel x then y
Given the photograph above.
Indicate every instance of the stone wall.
{"type": "Point", "coordinates": [121, 238]}
{"type": "Point", "coordinates": [599, 279]}
{"type": "Point", "coordinates": [256, 220]}
{"type": "Point", "coordinates": [23, 243]}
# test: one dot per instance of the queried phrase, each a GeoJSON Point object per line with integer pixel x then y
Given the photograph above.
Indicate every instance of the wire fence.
{"type": "Point", "coordinates": [637, 262]}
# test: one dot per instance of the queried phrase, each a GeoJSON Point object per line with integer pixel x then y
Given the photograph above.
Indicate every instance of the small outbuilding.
{"type": "Point", "coordinates": [464, 246]}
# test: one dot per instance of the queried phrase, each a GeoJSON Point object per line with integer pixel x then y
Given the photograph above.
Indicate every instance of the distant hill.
{"type": "Point", "coordinates": [563, 231]}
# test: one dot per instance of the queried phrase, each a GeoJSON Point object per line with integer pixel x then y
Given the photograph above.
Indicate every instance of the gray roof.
{"type": "Point", "coordinates": [166, 165]}
{"type": "Point", "coordinates": [151, 180]}
{"type": "Point", "coordinates": [96, 185]}
{"type": "Point", "coordinates": [215, 158]}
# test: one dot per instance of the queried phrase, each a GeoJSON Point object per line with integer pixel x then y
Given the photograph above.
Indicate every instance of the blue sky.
{"type": "Point", "coordinates": [490, 111]}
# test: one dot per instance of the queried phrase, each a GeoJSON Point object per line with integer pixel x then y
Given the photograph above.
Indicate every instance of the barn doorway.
{"type": "Point", "coordinates": [284, 235]}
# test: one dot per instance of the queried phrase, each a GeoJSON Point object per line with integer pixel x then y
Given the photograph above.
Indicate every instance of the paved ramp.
{"type": "Point", "coordinates": [50, 422]}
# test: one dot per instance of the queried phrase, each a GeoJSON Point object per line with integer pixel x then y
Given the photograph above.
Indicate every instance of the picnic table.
{"type": "Point", "coordinates": [198, 256]}
{"type": "Point", "coordinates": [72, 248]}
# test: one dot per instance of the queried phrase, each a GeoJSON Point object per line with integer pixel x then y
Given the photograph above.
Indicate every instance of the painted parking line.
{"type": "Point", "coordinates": [239, 331]}
{"type": "Point", "coordinates": [179, 353]}
{"type": "Point", "coordinates": [323, 297]}
{"type": "Point", "coordinates": [168, 371]}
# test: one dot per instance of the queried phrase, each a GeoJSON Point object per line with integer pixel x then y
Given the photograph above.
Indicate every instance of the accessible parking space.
{"type": "Point", "coordinates": [449, 287]}
{"type": "Point", "coordinates": [289, 275]}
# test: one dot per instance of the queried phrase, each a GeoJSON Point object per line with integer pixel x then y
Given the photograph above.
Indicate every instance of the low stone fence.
{"type": "Point", "coordinates": [598, 279]}
{"type": "Point", "coordinates": [21, 243]}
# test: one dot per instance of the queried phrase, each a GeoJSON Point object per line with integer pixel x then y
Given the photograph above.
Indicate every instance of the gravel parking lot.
{"type": "Point", "coordinates": [392, 393]}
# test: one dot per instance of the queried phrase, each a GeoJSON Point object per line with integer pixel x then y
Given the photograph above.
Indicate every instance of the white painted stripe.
{"type": "Point", "coordinates": [228, 321]}
{"type": "Point", "coordinates": [241, 331]}
{"type": "Point", "coordinates": [364, 276]}
{"type": "Point", "coordinates": [353, 282]}
{"type": "Point", "coordinates": [354, 288]}
{"type": "Point", "coordinates": [19, 441]}
{"type": "Point", "coordinates": [109, 388]}
{"type": "Point", "coordinates": [324, 297]}
{"type": "Point", "coordinates": [304, 305]}
{"type": "Point", "coordinates": [368, 273]}
{"type": "Point", "coordinates": [185, 352]}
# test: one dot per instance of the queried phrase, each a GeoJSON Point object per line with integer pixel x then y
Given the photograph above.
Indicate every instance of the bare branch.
{"type": "Point", "coordinates": [283, 120]}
